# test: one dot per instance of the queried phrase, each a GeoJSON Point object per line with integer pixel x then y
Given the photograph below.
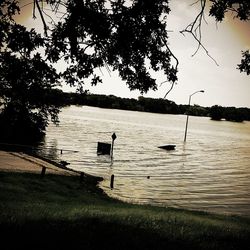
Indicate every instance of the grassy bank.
{"type": "Point", "coordinates": [60, 212]}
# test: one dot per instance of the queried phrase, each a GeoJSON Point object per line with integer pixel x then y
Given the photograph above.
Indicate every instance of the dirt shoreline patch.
{"type": "Point", "coordinates": [21, 162]}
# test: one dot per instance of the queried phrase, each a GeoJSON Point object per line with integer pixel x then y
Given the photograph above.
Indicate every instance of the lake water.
{"type": "Point", "coordinates": [210, 172]}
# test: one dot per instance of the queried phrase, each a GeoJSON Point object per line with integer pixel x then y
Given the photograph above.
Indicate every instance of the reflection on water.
{"type": "Point", "coordinates": [210, 172]}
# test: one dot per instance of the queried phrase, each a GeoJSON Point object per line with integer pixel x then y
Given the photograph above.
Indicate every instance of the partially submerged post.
{"type": "Point", "coordinates": [112, 146]}
{"type": "Point", "coordinates": [112, 181]}
{"type": "Point", "coordinates": [189, 101]}
{"type": "Point", "coordinates": [43, 172]}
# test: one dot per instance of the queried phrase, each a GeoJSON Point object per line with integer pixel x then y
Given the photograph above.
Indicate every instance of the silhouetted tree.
{"type": "Point", "coordinates": [239, 8]}
{"type": "Point", "coordinates": [216, 112]}
{"type": "Point", "coordinates": [244, 66]}
{"type": "Point", "coordinates": [25, 80]}
{"type": "Point", "coordinates": [127, 36]}
{"type": "Point", "coordinates": [197, 110]}
{"type": "Point", "coordinates": [119, 35]}
{"type": "Point", "coordinates": [233, 114]}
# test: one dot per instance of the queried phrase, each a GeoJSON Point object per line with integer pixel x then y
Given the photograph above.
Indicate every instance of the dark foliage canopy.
{"type": "Point", "coordinates": [240, 8]}
{"type": "Point", "coordinates": [115, 35]}
{"type": "Point", "coordinates": [244, 66]}
{"type": "Point", "coordinates": [25, 80]}
{"type": "Point", "coordinates": [127, 36]}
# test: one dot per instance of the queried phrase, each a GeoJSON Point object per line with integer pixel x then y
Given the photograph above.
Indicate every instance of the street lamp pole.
{"type": "Point", "coordinates": [202, 91]}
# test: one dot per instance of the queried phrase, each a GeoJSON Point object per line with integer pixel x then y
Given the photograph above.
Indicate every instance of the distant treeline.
{"type": "Point", "coordinates": [153, 105]}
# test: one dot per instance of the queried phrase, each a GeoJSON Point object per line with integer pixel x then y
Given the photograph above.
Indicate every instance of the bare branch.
{"type": "Point", "coordinates": [34, 10]}
{"type": "Point", "coordinates": [195, 29]}
{"type": "Point", "coordinates": [172, 54]}
{"type": "Point", "coordinates": [46, 14]}
{"type": "Point", "coordinates": [42, 17]}
{"type": "Point", "coordinates": [172, 85]}
{"type": "Point", "coordinates": [176, 67]}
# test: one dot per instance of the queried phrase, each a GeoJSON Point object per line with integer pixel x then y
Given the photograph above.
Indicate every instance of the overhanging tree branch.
{"type": "Point", "coordinates": [42, 17]}
{"type": "Point", "coordinates": [175, 69]}
{"type": "Point", "coordinates": [195, 29]}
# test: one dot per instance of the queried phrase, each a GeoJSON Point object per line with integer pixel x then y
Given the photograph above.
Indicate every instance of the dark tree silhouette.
{"type": "Point", "coordinates": [244, 66]}
{"type": "Point", "coordinates": [216, 112]}
{"type": "Point", "coordinates": [119, 35]}
{"type": "Point", "coordinates": [25, 80]}
{"type": "Point", "coordinates": [122, 35]}
{"type": "Point", "coordinates": [240, 9]}
{"type": "Point", "coordinates": [127, 36]}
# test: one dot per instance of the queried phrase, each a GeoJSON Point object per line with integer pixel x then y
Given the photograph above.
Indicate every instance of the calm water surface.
{"type": "Point", "coordinates": [210, 172]}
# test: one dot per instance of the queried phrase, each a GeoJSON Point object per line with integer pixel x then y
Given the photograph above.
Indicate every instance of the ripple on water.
{"type": "Point", "coordinates": [210, 172]}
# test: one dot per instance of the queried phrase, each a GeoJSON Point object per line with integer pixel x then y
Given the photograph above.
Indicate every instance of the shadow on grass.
{"type": "Point", "coordinates": [62, 212]}
{"type": "Point", "coordinates": [83, 234]}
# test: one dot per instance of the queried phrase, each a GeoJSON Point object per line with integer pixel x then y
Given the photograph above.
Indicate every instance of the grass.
{"type": "Point", "coordinates": [60, 212]}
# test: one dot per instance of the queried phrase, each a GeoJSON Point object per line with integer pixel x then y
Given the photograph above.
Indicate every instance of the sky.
{"type": "Point", "coordinates": [223, 85]}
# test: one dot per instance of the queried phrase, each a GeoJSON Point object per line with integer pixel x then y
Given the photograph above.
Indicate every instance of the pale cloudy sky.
{"type": "Point", "coordinates": [224, 84]}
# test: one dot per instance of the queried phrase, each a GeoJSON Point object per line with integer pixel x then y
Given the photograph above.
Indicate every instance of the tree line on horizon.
{"type": "Point", "coordinates": [145, 104]}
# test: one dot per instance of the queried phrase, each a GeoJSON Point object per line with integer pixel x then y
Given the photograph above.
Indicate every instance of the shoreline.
{"type": "Point", "coordinates": [62, 212]}
{"type": "Point", "coordinates": [43, 161]}
{"type": "Point", "coordinates": [57, 168]}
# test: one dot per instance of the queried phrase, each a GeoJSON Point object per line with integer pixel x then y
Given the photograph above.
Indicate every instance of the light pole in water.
{"type": "Point", "coordinates": [202, 91]}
